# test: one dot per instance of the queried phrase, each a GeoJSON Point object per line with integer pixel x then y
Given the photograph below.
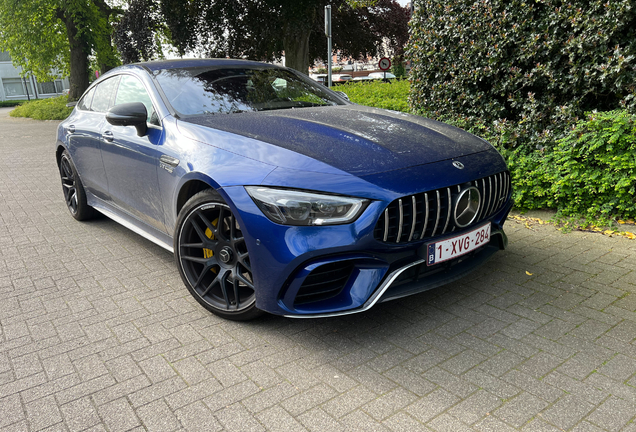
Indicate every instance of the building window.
{"type": "Point", "coordinates": [4, 56]}
{"type": "Point", "coordinates": [46, 87]}
{"type": "Point", "coordinates": [59, 86]}
{"type": "Point", "coordinates": [15, 87]}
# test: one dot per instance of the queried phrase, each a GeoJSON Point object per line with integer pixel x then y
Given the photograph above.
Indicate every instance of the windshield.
{"type": "Point", "coordinates": [196, 91]}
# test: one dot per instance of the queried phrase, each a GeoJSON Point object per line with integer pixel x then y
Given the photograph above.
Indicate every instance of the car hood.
{"type": "Point", "coordinates": [355, 139]}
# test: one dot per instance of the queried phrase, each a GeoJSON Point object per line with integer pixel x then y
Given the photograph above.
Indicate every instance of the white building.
{"type": "Point", "coordinates": [13, 87]}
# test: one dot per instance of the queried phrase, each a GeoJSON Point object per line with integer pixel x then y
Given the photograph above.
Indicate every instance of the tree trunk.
{"type": "Point", "coordinates": [296, 47]}
{"type": "Point", "coordinates": [79, 60]}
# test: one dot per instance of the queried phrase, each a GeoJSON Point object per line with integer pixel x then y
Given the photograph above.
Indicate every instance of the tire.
{"type": "Point", "coordinates": [73, 189]}
{"type": "Point", "coordinates": [212, 257]}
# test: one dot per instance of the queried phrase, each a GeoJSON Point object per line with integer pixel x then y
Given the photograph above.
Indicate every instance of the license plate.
{"type": "Point", "coordinates": [457, 246]}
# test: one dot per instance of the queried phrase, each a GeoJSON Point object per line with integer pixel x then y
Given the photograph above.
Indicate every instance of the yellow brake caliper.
{"type": "Point", "coordinates": [208, 253]}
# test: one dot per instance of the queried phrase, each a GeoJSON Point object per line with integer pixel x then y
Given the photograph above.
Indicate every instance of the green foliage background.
{"type": "Point", "coordinates": [530, 77]}
{"type": "Point", "coordinates": [44, 109]}
{"type": "Point", "coordinates": [525, 71]}
{"type": "Point", "coordinates": [393, 96]}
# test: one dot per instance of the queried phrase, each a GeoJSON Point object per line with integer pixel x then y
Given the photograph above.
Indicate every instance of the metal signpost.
{"type": "Point", "coordinates": [328, 34]}
{"type": "Point", "coordinates": [384, 65]}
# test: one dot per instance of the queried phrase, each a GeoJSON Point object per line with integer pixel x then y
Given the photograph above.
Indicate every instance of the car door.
{"type": "Point", "coordinates": [85, 137]}
{"type": "Point", "coordinates": [131, 161]}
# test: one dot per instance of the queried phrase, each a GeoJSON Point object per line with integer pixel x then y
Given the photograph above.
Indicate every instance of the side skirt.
{"type": "Point", "coordinates": [135, 225]}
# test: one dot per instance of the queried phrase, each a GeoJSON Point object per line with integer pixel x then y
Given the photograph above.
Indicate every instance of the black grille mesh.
{"type": "Point", "coordinates": [324, 282]}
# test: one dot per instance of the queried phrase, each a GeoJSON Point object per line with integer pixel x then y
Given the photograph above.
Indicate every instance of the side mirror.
{"type": "Point", "coordinates": [342, 94]}
{"type": "Point", "coordinates": [129, 114]}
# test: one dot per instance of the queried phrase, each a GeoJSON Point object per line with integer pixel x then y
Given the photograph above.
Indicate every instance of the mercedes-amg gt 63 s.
{"type": "Point", "coordinates": [277, 194]}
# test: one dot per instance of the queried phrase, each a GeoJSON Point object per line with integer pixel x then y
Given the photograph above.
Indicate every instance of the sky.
{"type": "Point", "coordinates": [403, 2]}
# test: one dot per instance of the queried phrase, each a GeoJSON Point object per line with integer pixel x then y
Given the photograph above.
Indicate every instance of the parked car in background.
{"type": "Point", "coordinates": [275, 193]}
{"type": "Point", "coordinates": [362, 78]}
{"type": "Point", "coordinates": [320, 78]}
{"type": "Point", "coordinates": [340, 78]}
{"type": "Point", "coordinates": [381, 75]}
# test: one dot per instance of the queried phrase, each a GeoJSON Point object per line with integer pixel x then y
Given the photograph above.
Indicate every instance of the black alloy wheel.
{"type": "Point", "coordinates": [213, 259]}
{"type": "Point", "coordinates": [73, 190]}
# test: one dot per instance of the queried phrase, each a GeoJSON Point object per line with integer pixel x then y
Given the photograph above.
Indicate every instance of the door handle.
{"type": "Point", "coordinates": [71, 129]}
{"type": "Point", "coordinates": [168, 163]}
{"type": "Point", "coordinates": [169, 160]}
{"type": "Point", "coordinates": [108, 136]}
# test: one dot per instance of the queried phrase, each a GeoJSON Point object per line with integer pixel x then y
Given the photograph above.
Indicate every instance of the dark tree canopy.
{"type": "Point", "coordinates": [265, 29]}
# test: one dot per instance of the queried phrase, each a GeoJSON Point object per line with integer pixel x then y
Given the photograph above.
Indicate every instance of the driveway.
{"type": "Point", "coordinates": [97, 332]}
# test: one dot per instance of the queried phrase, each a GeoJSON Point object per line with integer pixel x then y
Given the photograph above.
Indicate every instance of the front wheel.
{"type": "Point", "coordinates": [74, 193]}
{"type": "Point", "coordinates": [212, 257]}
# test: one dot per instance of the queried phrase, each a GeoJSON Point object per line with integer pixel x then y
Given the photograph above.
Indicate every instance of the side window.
{"type": "Point", "coordinates": [132, 90]}
{"type": "Point", "coordinates": [85, 103]}
{"type": "Point", "coordinates": [104, 94]}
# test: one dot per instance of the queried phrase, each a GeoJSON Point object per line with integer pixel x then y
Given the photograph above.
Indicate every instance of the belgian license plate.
{"type": "Point", "coordinates": [457, 246]}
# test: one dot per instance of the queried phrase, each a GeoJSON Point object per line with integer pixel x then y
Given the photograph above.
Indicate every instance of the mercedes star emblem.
{"type": "Point", "coordinates": [467, 206]}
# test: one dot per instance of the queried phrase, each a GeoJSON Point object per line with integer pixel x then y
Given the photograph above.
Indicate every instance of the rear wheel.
{"type": "Point", "coordinates": [73, 190]}
{"type": "Point", "coordinates": [212, 256]}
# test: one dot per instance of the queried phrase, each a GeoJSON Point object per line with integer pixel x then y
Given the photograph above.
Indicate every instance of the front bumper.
{"type": "Point", "coordinates": [284, 258]}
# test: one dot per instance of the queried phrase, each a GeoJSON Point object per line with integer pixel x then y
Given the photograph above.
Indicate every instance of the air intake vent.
{"type": "Point", "coordinates": [324, 282]}
{"type": "Point", "coordinates": [429, 214]}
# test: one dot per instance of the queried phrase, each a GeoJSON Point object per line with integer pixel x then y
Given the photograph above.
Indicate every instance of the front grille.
{"type": "Point", "coordinates": [324, 282]}
{"type": "Point", "coordinates": [428, 214]}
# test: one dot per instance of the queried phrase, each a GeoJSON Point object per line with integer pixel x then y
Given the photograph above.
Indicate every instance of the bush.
{"type": "Point", "coordinates": [590, 173]}
{"type": "Point", "coordinates": [522, 72]}
{"type": "Point", "coordinates": [44, 109]}
{"type": "Point", "coordinates": [379, 94]}
{"type": "Point", "coordinates": [11, 103]}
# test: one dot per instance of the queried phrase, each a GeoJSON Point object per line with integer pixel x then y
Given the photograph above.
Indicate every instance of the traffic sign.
{"type": "Point", "coordinates": [385, 64]}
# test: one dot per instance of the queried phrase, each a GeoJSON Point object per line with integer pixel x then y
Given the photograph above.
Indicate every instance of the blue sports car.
{"type": "Point", "coordinates": [277, 194]}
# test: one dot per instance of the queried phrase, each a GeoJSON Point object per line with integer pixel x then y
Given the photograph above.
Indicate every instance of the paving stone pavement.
{"type": "Point", "coordinates": [98, 333]}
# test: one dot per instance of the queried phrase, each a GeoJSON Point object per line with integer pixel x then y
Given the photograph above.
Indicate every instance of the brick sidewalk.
{"type": "Point", "coordinates": [98, 332]}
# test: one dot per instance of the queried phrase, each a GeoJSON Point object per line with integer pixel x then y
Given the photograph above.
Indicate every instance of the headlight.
{"type": "Point", "coordinates": [290, 207]}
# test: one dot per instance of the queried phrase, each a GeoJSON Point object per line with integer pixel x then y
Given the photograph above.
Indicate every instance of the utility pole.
{"type": "Point", "coordinates": [328, 34]}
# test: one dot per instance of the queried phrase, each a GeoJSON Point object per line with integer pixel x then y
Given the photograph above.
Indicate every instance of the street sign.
{"type": "Point", "coordinates": [385, 64]}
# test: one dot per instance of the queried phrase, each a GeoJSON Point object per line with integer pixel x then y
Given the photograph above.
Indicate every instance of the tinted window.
{"type": "Point", "coordinates": [85, 102]}
{"type": "Point", "coordinates": [132, 90]}
{"type": "Point", "coordinates": [103, 95]}
{"type": "Point", "coordinates": [227, 90]}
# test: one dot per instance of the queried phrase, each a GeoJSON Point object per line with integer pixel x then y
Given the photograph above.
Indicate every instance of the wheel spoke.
{"type": "Point", "coordinates": [206, 269]}
{"type": "Point", "coordinates": [232, 227]}
{"type": "Point", "coordinates": [242, 278]}
{"type": "Point", "coordinates": [242, 258]}
{"type": "Point", "coordinates": [236, 294]}
{"type": "Point", "coordinates": [198, 260]}
{"type": "Point", "coordinates": [200, 233]}
{"type": "Point", "coordinates": [223, 282]}
{"type": "Point", "coordinates": [193, 245]}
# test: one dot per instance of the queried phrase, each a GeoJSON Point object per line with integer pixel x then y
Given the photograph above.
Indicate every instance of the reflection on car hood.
{"type": "Point", "coordinates": [356, 139]}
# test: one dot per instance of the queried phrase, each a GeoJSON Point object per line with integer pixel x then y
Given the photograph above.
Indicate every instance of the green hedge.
{"type": "Point", "coordinates": [11, 103]}
{"type": "Point", "coordinates": [44, 109]}
{"type": "Point", "coordinates": [523, 72]}
{"type": "Point", "coordinates": [590, 173]}
{"type": "Point", "coordinates": [393, 95]}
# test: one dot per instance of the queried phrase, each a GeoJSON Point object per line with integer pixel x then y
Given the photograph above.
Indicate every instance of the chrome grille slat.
{"type": "Point", "coordinates": [439, 208]}
{"type": "Point", "coordinates": [448, 214]}
{"type": "Point", "coordinates": [413, 217]}
{"type": "Point", "coordinates": [386, 224]}
{"type": "Point", "coordinates": [489, 197]}
{"type": "Point", "coordinates": [425, 215]}
{"type": "Point", "coordinates": [401, 221]}
{"type": "Point", "coordinates": [393, 225]}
